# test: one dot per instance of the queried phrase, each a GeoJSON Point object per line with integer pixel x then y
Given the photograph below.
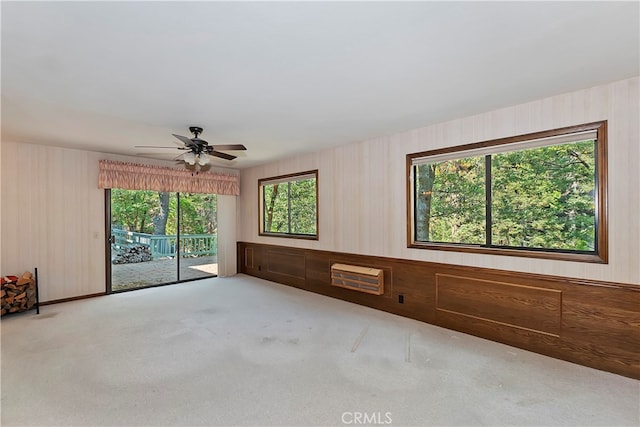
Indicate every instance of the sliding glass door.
{"type": "Point", "coordinates": [159, 238]}
{"type": "Point", "coordinates": [198, 236]}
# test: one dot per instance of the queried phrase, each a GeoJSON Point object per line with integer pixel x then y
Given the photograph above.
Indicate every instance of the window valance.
{"type": "Point", "coordinates": [133, 176]}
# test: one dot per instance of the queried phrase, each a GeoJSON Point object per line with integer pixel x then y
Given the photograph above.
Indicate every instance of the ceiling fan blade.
{"type": "Point", "coordinates": [199, 141]}
{"type": "Point", "coordinates": [184, 139]}
{"type": "Point", "coordinates": [229, 147]}
{"type": "Point", "coordinates": [178, 156]}
{"type": "Point", "coordinates": [180, 144]}
{"type": "Point", "coordinates": [158, 146]}
{"type": "Point", "coordinates": [222, 155]}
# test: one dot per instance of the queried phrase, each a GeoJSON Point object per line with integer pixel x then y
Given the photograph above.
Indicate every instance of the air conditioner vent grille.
{"type": "Point", "coordinates": [363, 279]}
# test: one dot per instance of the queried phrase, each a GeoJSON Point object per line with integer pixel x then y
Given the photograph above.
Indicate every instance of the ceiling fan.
{"type": "Point", "coordinates": [199, 150]}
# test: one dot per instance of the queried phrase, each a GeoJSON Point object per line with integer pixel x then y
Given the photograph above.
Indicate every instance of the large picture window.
{"type": "Point", "coordinates": [539, 195]}
{"type": "Point", "coordinates": [289, 205]}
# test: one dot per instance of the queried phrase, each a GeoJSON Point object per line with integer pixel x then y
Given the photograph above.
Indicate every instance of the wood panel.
{"type": "Point", "coordinates": [286, 263]}
{"type": "Point", "coordinates": [592, 323]}
{"type": "Point", "coordinates": [603, 320]}
{"type": "Point", "coordinates": [526, 307]}
{"type": "Point", "coordinates": [248, 257]}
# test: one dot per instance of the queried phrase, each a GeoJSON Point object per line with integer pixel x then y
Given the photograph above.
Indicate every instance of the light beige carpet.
{"type": "Point", "coordinates": [243, 351]}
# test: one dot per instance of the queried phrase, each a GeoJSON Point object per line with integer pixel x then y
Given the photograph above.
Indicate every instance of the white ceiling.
{"type": "Point", "coordinates": [284, 78]}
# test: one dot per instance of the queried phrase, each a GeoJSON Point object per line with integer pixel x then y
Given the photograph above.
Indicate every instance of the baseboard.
{"type": "Point", "coordinates": [58, 301]}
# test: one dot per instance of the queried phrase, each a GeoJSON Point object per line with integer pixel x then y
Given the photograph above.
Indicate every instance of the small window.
{"type": "Point", "coordinates": [289, 205]}
{"type": "Point", "coordinates": [539, 195]}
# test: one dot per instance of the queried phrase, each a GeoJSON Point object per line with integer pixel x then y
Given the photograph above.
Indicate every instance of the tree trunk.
{"type": "Point", "coordinates": [160, 220]}
{"type": "Point", "coordinates": [274, 194]}
{"type": "Point", "coordinates": [426, 178]}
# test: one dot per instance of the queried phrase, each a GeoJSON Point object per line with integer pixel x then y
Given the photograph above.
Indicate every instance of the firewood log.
{"type": "Point", "coordinates": [17, 293]}
{"type": "Point", "coordinates": [24, 279]}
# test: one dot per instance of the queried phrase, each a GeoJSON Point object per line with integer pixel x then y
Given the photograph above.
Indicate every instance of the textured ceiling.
{"type": "Point", "coordinates": [284, 78]}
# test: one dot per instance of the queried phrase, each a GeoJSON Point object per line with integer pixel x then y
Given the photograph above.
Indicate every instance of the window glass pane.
{"type": "Point", "coordinates": [198, 235]}
{"type": "Point", "coordinates": [303, 206]}
{"type": "Point", "coordinates": [546, 194]}
{"type": "Point", "coordinates": [276, 210]}
{"type": "Point", "coordinates": [450, 201]}
{"type": "Point", "coordinates": [143, 226]}
{"type": "Point", "coordinates": [545, 197]}
{"type": "Point", "coordinates": [289, 206]}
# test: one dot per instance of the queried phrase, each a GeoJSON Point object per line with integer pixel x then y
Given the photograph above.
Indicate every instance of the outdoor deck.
{"type": "Point", "coordinates": [141, 274]}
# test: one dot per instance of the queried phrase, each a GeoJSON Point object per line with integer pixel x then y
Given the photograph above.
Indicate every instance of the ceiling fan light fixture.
{"type": "Point", "coordinates": [190, 158]}
{"type": "Point", "coordinates": [203, 159]}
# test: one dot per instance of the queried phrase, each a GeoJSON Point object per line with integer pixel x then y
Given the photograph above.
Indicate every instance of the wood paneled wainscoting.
{"type": "Point", "coordinates": [591, 323]}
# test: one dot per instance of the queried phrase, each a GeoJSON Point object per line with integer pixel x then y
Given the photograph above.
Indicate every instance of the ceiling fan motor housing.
{"type": "Point", "coordinates": [196, 130]}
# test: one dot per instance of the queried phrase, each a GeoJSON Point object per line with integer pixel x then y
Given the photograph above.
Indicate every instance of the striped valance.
{"type": "Point", "coordinates": [132, 176]}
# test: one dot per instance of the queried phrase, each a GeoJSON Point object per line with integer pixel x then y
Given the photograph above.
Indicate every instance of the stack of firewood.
{"type": "Point", "coordinates": [17, 293]}
{"type": "Point", "coordinates": [131, 254]}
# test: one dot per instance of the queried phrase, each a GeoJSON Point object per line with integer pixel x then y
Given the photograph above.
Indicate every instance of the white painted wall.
{"type": "Point", "coordinates": [227, 253]}
{"type": "Point", "coordinates": [52, 217]}
{"type": "Point", "coordinates": [362, 196]}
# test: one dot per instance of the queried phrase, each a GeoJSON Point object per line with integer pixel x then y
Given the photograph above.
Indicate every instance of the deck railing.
{"type": "Point", "coordinates": [166, 245]}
